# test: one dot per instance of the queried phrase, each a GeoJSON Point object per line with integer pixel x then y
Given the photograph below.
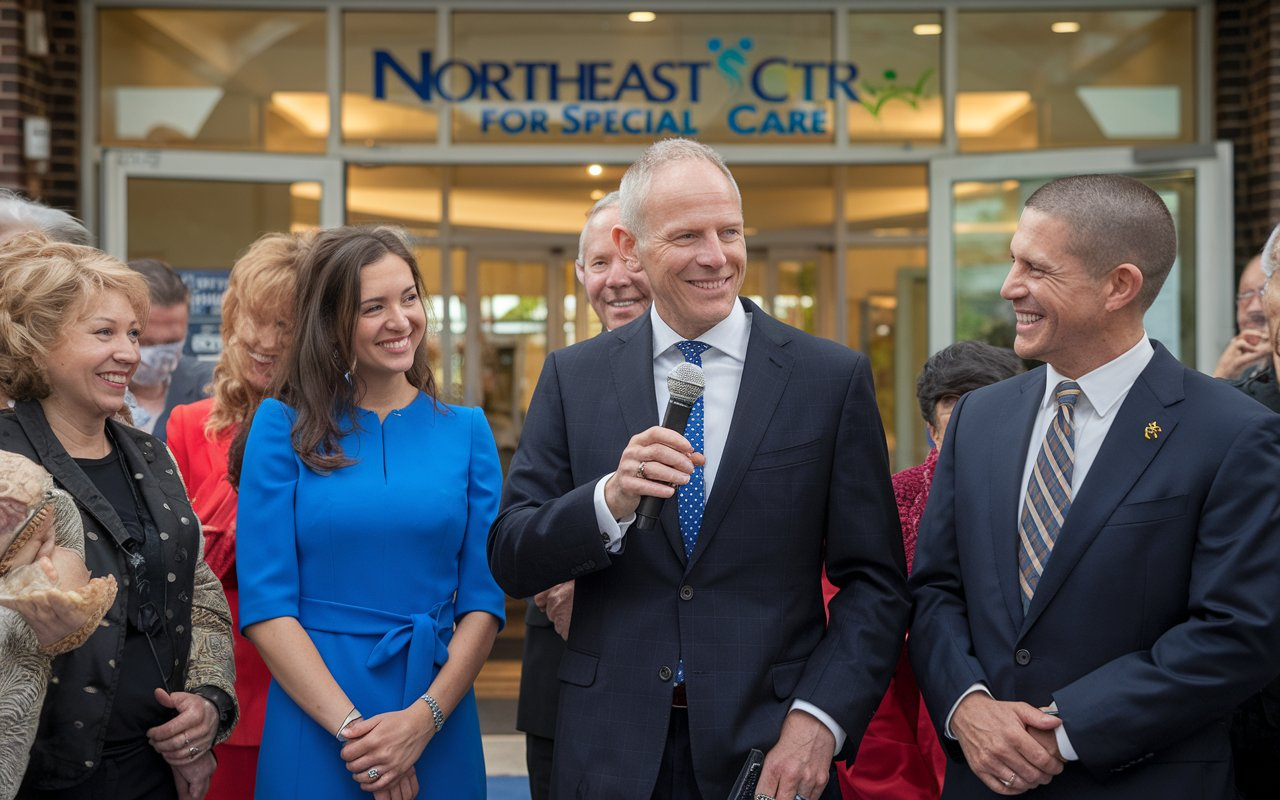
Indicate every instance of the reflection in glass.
{"type": "Point", "coordinates": [195, 224]}
{"type": "Point", "coordinates": [899, 90]}
{"type": "Point", "coordinates": [1121, 77]}
{"type": "Point", "coordinates": [214, 80]}
{"type": "Point", "coordinates": [399, 115]}
{"type": "Point", "coordinates": [408, 196]}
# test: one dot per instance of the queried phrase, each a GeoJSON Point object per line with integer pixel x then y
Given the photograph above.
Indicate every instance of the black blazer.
{"type": "Point", "coordinates": [804, 475]}
{"type": "Point", "coordinates": [1160, 608]}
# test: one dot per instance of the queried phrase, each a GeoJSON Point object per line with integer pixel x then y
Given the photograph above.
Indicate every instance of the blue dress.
{"type": "Point", "coordinates": [376, 561]}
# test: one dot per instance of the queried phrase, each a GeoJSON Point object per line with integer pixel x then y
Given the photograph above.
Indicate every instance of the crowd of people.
{"type": "Point", "coordinates": [288, 587]}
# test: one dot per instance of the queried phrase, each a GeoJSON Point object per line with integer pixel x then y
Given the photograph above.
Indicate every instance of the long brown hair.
{"type": "Point", "coordinates": [262, 285]}
{"type": "Point", "coordinates": [320, 381]}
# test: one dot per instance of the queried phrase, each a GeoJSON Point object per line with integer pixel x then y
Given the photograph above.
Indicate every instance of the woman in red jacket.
{"type": "Point", "coordinates": [257, 323]}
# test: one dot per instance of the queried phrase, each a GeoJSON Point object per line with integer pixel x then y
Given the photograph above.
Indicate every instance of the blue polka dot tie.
{"type": "Point", "coordinates": [691, 498]}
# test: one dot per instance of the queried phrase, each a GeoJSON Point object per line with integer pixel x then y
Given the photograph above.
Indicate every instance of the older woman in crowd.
{"type": "Point", "coordinates": [900, 756]}
{"type": "Point", "coordinates": [257, 323]}
{"type": "Point", "coordinates": [365, 504]}
{"type": "Point", "coordinates": [134, 711]}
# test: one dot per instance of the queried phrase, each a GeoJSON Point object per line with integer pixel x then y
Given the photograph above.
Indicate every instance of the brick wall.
{"type": "Point", "coordinates": [1247, 55]}
{"type": "Point", "coordinates": [41, 85]}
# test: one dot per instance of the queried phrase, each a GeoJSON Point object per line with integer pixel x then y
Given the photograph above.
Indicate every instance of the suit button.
{"type": "Point", "coordinates": [664, 673]}
{"type": "Point", "coordinates": [686, 592]}
{"type": "Point", "coordinates": [1022, 657]}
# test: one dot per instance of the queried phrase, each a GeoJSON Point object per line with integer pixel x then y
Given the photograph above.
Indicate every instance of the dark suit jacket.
{"type": "Point", "coordinates": [539, 683]}
{"type": "Point", "coordinates": [186, 385]}
{"type": "Point", "coordinates": [1157, 612]}
{"type": "Point", "coordinates": [804, 473]}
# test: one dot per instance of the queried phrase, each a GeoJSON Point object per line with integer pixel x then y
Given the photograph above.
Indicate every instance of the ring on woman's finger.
{"type": "Point", "coordinates": [640, 471]}
{"type": "Point", "coordinates": [186, 740]}
{"type": "Point", "coordinates": [195, 751]}
{"type": "Point", "coordinates": [763, 796]}
{"type": "Point", "coordinates": [1008, 782]}
{"type": "Point", "coordinates": [373, 773]}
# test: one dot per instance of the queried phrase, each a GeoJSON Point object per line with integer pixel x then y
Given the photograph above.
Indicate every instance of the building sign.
{"type": "Point", "coordinates": [735, 88]}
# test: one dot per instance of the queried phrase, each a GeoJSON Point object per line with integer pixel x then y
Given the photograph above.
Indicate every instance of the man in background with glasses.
{"type": "Point", "coordinates": [1248, 350]}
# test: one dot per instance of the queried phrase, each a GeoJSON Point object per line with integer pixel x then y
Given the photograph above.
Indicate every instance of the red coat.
{"type": "Point", "coordinates": [203, 464]}
{"type": "Point", "coordinates": [900, 757]}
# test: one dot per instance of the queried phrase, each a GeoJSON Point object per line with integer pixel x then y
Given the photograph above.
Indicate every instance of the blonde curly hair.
{"type": "Point", "coordinates": [261, 287]}
{"type": "Point", "coordinates": [45, 286]}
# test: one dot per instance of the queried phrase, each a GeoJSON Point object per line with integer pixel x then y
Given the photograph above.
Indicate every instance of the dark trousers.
{"type": "Point", "coordinates": [537, 756]}
{"type": "Point", "coordinates": [139, 774]}
{"type": "Point", "coordinates": [675, 776]}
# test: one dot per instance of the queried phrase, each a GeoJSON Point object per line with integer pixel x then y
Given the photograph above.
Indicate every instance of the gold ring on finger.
{"type": "Point", "coordinates": [1008, 782]}
{"type": "Point", "coordinates": [640, 470]}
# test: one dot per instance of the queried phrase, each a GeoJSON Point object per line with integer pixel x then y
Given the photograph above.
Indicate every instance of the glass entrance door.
{"type": "Point", "coordinates": [199, 211]}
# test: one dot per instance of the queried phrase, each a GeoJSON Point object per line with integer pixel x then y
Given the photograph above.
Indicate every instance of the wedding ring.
{"type": "Point", "coordinates": [195, 751]}
{"type": "Point", "coordinates": [1008, 782]}
{"type": "Point", "coordinates": [640, 474]}
{"type": "Point", "coordinates": [373, 774]}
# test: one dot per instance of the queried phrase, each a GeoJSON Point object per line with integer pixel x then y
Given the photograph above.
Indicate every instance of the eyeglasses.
{"type": "Point", "coordinates": [1243, 298]}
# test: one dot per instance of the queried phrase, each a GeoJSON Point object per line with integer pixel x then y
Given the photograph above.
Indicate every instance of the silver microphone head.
{"type": "Point", "coordinates": [685, 383]}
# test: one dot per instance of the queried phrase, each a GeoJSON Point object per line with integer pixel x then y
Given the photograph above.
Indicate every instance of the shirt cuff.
{"type": "Point", "coordinates": [824, 718]}
{"type": "Point", "coordinates": [1065, 749]}
{"type": "Point", "coordinates": [611, 530]}
{"type": "Point", "coordinates": [977, 687]}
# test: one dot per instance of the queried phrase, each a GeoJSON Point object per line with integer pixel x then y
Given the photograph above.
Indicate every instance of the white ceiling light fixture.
{"type": "Point", "coordinates": [595, 170]}
{"type": "Point", "coordinates": [641, 16]}
{"type": "Point", "coordinates": [927, 29]}
{"type": "Point", "coordinates": [1065, 27]}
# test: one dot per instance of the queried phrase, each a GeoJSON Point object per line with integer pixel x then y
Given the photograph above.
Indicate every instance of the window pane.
{"type": "Point", "coordinates": [408, 196]}
{"type": "Point", "coordinates": [1075, 79]}
{"type": "Point", "coordinates": [587, 77]}
{"type": "Point", "coordinates": [898, 57]}
{"type": "Point", "coordinates": [214, 80]}
{"type": "Point", "coordinates": [377, 106]}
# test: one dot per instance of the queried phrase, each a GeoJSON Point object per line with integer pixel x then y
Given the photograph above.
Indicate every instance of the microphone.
{"type": "Point", "coordinates": [685, 384]}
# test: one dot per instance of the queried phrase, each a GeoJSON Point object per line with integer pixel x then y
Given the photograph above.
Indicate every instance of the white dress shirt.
{"type": "Point", "coordinates": [722, 365]}
{"type": "Point", "coordinates": [1102, 391]}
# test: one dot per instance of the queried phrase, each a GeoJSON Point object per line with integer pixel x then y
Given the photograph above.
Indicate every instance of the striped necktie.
{"type": "Point", "coordinates": [1048, 493]}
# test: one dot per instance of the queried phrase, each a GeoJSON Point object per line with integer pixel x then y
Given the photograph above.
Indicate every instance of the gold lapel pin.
{"type": "Point", "coordinates": [1152, 431]}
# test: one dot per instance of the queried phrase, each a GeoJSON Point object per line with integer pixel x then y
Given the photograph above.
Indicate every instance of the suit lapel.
{"type": "Point", "coordinates": [1124, 456]}
{"type": "Point", "coordinates": [1005, 487]}
{"type": "Point", "coordinates": [764, 378]}
{"type": "Point", "coordinates": [631, 358]}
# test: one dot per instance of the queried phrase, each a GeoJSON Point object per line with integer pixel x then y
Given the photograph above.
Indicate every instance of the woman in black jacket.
{"type": "Point", "coordinates": [134, 712]}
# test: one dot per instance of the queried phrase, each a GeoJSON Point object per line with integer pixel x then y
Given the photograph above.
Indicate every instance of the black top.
{"type": "Point", "coordinates": [135, 708]}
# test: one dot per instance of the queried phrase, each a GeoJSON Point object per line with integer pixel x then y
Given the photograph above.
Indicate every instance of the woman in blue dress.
{"type": "Point", "coordinates": [364, 507]}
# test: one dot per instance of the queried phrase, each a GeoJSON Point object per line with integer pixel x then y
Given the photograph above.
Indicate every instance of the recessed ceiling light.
{"type": "Point", "coordinates": [927, 29]}
{"type": "Point", "coordinates": [1065, 27]}
{"type": "Point", "coordinates": [596, 194]}
{"type": "Point", "coordinates": [595, 170]}
{"type": "Point", "coordinates": [642, 16]}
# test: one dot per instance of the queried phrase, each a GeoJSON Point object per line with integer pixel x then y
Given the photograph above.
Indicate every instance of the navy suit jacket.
{"type": "Point", "coordinates": [804, 476]}
{"type": "Point", "coordinates": [1157, 612]}
{"type": "Point", "coordinates": [186, 385]}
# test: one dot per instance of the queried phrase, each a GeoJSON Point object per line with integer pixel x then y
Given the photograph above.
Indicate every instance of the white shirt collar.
{"type": "Point", "coordinates": [729, 336]}
{"type": "Point", "coordinates": [1105, 386]}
